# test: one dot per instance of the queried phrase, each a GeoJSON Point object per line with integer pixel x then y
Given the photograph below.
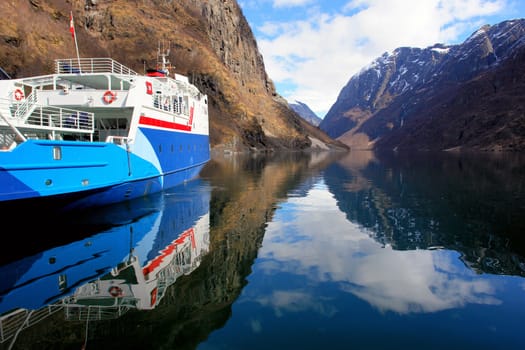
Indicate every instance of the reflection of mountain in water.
{"type": "Point", "coordinates": [244, 196]}
{"type": "Point", "coordinates": [473, 205]}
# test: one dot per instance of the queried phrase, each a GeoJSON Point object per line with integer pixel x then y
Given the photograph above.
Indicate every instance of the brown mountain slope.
{"type": "Point", "coordinates": [211, 42]}
{"type": "Point", "coordinates": [486, 113]}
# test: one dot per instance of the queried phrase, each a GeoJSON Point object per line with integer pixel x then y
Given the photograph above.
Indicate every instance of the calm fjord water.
{"type": "Point", "coordinates": [345, 251]}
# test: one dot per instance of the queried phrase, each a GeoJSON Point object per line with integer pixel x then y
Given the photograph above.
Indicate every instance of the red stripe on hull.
{"type": "Point", "coordinates": [163, 124]}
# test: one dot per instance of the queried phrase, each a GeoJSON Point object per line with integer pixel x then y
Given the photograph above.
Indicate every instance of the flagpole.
{"type": "Point", "coordinates": [72, 29]}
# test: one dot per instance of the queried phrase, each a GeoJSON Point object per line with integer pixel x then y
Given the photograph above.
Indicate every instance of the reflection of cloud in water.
{"type": "Point", "coordinates": [318, 242]}
{"type": "Point", "coordinates": [410, 281]}
{"type": "Point", "coordinates": [256, 326]}
{"type": "Point", "coordinates": [295, 301]}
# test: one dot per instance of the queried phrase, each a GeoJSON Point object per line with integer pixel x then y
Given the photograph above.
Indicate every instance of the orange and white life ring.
{"type": "Point", "coordinates": [18, 94]}
{"type": "Point", "coordinates": [115, 291]}
{"type": "Point", "coordinates": [109, 96]}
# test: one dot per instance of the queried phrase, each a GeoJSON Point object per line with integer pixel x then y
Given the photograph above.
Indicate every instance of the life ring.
{"type": "Point", "coordinates": [115, 291]}
{"type": "Point", "coordinates": [19, 94]}
{"type": "Point", "coordinates": [109, 96]}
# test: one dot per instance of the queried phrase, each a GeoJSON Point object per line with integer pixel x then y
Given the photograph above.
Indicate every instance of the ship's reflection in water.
{"type": "Point", "coordinates": [285, 252]}
{"type": "Point", "coordinates": [125, 266]}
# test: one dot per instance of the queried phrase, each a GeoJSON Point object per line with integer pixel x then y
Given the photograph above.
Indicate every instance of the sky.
{"type": "Point", "coordinates": [311, 48]}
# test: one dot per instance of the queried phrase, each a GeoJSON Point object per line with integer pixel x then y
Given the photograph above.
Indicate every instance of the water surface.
{"type": "Point", "coordinates": [345, 251]}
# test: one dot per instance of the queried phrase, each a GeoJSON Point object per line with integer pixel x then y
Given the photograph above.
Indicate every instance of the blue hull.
{"type": "Point", "coordinates": [74, 175]}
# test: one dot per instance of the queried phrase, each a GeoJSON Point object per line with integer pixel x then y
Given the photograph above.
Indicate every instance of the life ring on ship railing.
{"type": "Point", "coordinates": [19, 94]}
{"type": "Point", "coordinates": [109, 96]}
{"type": "Point", "coordinates": [115, 291]}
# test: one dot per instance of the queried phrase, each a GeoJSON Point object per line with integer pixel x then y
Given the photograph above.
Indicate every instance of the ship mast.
{"type": "Point", "coordinates": [162, 59]}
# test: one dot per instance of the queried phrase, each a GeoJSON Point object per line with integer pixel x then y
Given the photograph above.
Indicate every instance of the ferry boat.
{"type": "Point", "coordinates": [96, 132]}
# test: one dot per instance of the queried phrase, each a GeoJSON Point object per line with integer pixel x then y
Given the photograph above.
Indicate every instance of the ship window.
{"type": "Point", "coordinates": [172, 148]}
{"type": "Point", "coordinates": [114, 123]}
{"type": "Point", "coordinates": [156, 100]}
{"type": "Point", "coordinates": [57, 153]}
{"type": "Point", "coordinates": [160, 148]}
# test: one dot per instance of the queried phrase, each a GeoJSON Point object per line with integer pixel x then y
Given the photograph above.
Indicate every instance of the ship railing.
{"type": "Point", "coordinates": [61, 119]}
{"type": "Point", "coordinates": [91, 65]}
{"type": "Point", "coordinates": [10, 134]}
{"type": "Point", "coordinates": [23, 108]}
{"type": "Point", "coordinates": [7, 138]}
{"type": "Point", "coordinates": [114, 308]}
{"type": "Point", "coordinates": [46, 120]}
{"type": "Point", "coordinates": [13, 323]}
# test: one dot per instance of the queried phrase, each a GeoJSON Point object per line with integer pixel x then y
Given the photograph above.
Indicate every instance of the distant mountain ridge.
{"type": "Point", "coordinates": [305, 112]}
{"type": "Point", "coordinates": [466, 96]}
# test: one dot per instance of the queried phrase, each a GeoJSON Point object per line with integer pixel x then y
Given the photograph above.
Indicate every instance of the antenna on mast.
{"type": "Point", "coordinates": [162, 58]}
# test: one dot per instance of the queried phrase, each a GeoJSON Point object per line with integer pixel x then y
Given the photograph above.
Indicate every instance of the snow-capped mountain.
{"type": "Point", "coordinates": [470, 95]}
{"type": "Point", "coordinates": [305, 112]}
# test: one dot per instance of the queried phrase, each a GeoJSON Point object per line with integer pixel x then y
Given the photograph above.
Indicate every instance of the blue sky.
{"type": "Point", "coordinates": [312, 48]}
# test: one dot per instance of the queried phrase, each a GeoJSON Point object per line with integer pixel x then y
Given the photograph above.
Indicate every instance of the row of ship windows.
{"type": "Point", "coordinates": [175, 104]}
{"type": "Point", "coordinates": [57, 150]}
{"type": "Point", "coordinates": [200, 147]}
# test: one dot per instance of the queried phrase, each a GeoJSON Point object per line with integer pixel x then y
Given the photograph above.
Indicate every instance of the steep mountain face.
{"type": "Point", "coordinates": [305, 112]}
{"type": "Point", "coordinates": [467, 96]}
{"type": "Point", "coordinates": [210, 41]}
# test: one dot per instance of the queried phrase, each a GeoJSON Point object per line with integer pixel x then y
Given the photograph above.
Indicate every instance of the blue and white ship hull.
{"type": "Point", "coordinates": [100, 135]}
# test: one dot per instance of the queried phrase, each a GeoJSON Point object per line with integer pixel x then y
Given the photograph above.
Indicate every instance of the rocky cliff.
{"type": "Point", "coordinates": [467, 96]}
{"type": "Point", "coordinates": [211, 42]}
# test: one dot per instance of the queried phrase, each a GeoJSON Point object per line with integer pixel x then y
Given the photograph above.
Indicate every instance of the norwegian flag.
{"type": "Point", "coordinates": [71, 25]}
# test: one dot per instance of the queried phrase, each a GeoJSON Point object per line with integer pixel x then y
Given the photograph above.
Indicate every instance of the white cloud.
{"type": "Point", "coordinates": [313, 58]}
